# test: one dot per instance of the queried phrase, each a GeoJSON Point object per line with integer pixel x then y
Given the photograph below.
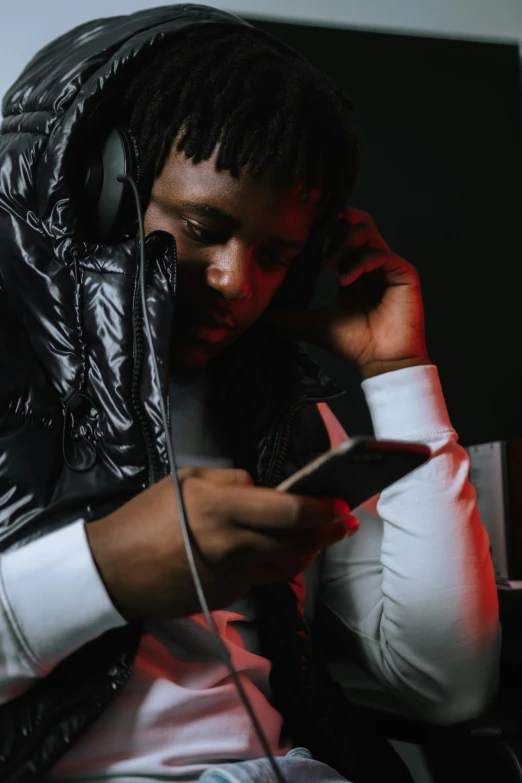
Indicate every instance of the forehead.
{"type": "Point", "coordinates": [248, 199]}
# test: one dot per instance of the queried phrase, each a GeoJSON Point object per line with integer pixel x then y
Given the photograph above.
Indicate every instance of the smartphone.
{"type": "Point", "coordinates": [357, 469]}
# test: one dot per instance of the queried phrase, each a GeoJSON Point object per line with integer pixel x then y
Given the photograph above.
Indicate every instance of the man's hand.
{"type": "Point", "coordinates": [241, 536]}
{"type": "Point", "coordinates": [376, 320]}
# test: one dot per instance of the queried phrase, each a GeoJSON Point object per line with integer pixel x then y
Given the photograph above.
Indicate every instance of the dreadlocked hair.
{"type": "Point", "coordinates": [261, 101]}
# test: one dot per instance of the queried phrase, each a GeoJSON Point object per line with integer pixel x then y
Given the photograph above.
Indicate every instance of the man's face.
{"type": "Point", "coordinates": [236, 238]}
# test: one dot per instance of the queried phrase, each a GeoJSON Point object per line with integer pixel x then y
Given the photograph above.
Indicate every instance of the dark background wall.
{"type": "Point", "coordinates": [441, 126]}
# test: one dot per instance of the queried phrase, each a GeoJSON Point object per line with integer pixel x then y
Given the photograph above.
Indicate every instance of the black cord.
{"type": "Point", "coordinates": [221, 647]}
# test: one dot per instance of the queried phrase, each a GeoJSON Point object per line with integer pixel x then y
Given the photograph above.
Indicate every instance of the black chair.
{"type": "Point", "coordinates": [487, 749]}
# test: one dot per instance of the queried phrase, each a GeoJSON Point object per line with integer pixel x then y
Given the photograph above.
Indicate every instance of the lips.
{"type": "Point", "coordinates": [216, 322]}
{"type": "Point", "coordinates": [210, 328]}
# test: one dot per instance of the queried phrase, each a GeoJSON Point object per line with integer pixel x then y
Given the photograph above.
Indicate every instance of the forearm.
{"type": "Point", "coordinates": [439, 633]}
{"type": "Point", "coordinates": [416, 585]}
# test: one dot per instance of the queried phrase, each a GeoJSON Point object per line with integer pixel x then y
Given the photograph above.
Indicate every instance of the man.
{"type": "Point", "coordinates": [246, 157]}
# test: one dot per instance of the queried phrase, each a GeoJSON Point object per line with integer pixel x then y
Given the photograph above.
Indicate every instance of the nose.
{"type": "Point", "coordinates": [230, 273]}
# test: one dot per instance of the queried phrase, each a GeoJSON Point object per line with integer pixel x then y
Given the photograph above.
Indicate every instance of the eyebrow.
{"type": "Point", "coordinates": [209, 211]}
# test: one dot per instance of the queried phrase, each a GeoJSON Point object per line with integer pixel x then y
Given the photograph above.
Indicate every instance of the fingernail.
{"type": "Point", "coordinates": [341, 511]}
{"type": "Point", "coordinates": [351, 526]}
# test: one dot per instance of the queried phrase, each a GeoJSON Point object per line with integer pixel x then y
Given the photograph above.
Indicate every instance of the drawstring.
{"type": "Point", "coordinates": [79, 453]}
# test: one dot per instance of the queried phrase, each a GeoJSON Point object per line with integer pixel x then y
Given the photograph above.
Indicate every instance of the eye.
{"type": "Point", "coordinates": [200, 234]}
{"type": "Point", "coordinates": [273, 260]}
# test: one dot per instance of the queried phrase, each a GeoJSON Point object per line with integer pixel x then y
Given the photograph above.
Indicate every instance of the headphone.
{"type": "Point", "coordinates": [108, 202]}
{"type": "Point", "coordinates": [109, 210]}
{"type": "Point", "coordinates": [113, 193]}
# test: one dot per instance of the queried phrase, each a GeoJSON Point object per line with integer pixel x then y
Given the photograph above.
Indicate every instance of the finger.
{"type": "Point", "coordinates": [354, 266]}
{"type": "Point", "coordinates": [365, 235]}
{"type": "Point", "coordinates": [256, 548]}
{"type": "Point", "coordinates": [353, 216]}
{"type": "Point", "coordinates": [310, 540]}
{"type": "Point", "coordinates": [267, 509]}
{"type": "Point", "coordinates": [345, 240]}
{"type": "Point", "coordinates": [356, 240]}
{"type": "Point", "coordinates": [218, 476]}
{"type": "Point", "coordinates": [272, 554]}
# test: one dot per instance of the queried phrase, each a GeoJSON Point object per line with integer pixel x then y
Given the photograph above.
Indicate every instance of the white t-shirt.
{"type": "Point", "coordinates": [414, 590]}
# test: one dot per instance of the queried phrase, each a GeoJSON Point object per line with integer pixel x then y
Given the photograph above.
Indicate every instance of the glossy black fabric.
{"type": "Point", "coordinates": [80, 429]}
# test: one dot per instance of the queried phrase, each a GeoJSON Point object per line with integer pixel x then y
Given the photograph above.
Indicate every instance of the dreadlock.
{"type": "Point", "coordinates": [263, 103]}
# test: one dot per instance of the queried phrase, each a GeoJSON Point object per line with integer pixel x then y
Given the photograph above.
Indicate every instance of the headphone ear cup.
{"type": "Point", "coordinates": [107, 201]}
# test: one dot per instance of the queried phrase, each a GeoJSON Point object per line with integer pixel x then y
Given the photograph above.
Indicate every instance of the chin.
{"type": "Point", "coordinates": [192, 359]}
{"type": "Point", "coordinates": [194, 355]}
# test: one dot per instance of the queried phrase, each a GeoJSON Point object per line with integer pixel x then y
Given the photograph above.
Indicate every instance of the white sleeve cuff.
{"type": "Point", "coordinates": [54, 597]}
{"type": "Point", "coordinates": [407, 404]}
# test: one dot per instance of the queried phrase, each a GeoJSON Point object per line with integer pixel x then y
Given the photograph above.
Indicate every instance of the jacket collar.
{"type": "Point", "coordinates": [255, 386]}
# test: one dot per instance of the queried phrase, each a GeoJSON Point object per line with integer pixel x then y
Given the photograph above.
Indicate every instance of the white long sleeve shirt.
{"type": "Point", "coordinates": [413, 590]}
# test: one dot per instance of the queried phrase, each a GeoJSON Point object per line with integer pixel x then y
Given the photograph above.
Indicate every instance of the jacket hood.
{"type": "Point", "coordinates": [63, 94]}
{"type": "Point", "coordinates": [61, 99]}
{"type": "Point", "coordinates": [66, 95]}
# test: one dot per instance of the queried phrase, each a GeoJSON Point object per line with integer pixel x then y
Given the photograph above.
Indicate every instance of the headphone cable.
{"type": "Point", "coordinates": [220, 645]}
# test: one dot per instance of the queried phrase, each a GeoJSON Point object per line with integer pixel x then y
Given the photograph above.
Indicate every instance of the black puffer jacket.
{"type": "Point", "coordinates": [80, 428]}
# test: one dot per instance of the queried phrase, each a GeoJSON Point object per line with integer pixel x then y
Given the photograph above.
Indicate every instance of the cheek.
{"type": "Point", "coordinates": [153, 219]}
{"type": "Point", "coordinates": [266, 287]}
